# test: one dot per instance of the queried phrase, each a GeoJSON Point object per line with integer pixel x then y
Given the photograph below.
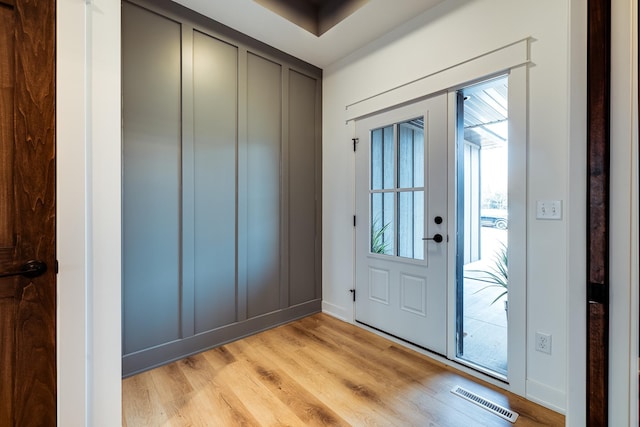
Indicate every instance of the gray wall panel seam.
{"type": "Point", "coordinates": [242, 189]}
{"type": "Point", "coordinates": [187, 273]}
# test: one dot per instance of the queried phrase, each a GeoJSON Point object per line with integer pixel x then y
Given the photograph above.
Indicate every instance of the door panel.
{"type": "Point", "coordinates": [7, 86]}
{"type": "Point", "coordinates": [598, 195]}
{"type": "Point", "coordinates": [7, 209]}
{"type": "Point", "coordinates": [27, 213]}
{"type": "Point", "coordinates": [401, 187]}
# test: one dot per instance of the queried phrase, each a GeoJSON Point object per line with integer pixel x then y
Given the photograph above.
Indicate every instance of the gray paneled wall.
{"type": "Point", "coordinates": [221, 188]}
{"type": "Point", "coordinates": [151, 197]}
{"type": "Point", "coordinates": [302, 188]}
{"type": "Point", "coordinates": [215, 119]}
{"type": "Point", "coordinates": [264, 135]}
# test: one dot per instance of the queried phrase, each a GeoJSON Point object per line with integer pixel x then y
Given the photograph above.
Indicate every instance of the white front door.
{"type": "Point", "coordinates": [401, 227]}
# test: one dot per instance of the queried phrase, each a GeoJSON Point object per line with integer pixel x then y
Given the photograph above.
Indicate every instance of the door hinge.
{"type": "Point", "coordinates": [355, 142]}
{"type": "Point", "coordinates": [353, 294]}
{"type": "Point", "coordinates": [56, 267]}
{"type": "Point", "coordinates": [354, 220]}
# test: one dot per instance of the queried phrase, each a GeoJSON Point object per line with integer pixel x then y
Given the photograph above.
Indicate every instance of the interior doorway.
{"type": "Point", "coordinates": [482, 224]}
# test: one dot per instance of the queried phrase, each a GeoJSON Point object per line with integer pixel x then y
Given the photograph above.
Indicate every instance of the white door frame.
{"type": "Point", "coordinates": [512, 59]}
{"type": "Point", "coordinates": [517, 196]}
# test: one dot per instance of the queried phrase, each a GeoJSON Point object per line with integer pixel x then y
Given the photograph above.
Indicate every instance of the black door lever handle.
{"type": "Point", "coordinates": [29, 269]}
{"type": "Point", "coordinates": [436, 238]}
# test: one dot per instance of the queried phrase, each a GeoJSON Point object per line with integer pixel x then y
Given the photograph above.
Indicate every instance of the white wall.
{"type": "Point", "coordinates": [449, 34]}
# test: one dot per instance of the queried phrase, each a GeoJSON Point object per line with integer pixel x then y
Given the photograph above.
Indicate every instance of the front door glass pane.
{"type": "Point", "coordinates": [397, 189]}
{"type": "Point", "coordinates": [382, 223]}
{"type": "Point", "coordinates": [411, 224]}
{"type": "Point", "coordinates": [411, 154]}
{"type": "Point", "coordinates": [382, 161]}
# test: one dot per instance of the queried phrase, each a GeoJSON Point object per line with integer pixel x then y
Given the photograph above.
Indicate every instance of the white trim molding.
{"type": "Point", "coordinates": [88, 213]}
{"type": "Point", "coordinates": [497, 61]}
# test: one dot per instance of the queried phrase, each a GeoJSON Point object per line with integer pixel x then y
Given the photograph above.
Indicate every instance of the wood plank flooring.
{"type": "Point", "coordinates": [316, 371]}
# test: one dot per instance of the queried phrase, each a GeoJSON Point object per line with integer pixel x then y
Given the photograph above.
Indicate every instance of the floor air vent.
{"type": "Point", "coordinates": [486, 404]}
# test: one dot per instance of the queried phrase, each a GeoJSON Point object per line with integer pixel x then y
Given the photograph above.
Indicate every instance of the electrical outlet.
{"type": "Point", "coordinates": [543, 342]}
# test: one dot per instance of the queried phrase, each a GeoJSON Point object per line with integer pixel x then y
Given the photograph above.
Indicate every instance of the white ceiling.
{"type": "Point", "coordinates": [370, 22]}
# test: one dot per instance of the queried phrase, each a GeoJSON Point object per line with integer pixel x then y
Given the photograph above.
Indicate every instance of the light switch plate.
{"type": "Point", "coordinates": [549, 209]}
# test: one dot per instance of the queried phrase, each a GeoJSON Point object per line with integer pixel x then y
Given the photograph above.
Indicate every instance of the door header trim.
{"type": "Point", "coordinates": [490, 63]}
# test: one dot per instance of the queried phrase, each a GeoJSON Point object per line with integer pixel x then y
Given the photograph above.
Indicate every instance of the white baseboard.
{"type": "Point", "coordinates": [337, 311]}
{"type": "Point", "coordinates": [546, 396]}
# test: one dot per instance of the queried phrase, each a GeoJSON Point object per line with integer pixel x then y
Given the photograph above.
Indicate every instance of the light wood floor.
{"type": "Point", "coordinates": [316, 371]}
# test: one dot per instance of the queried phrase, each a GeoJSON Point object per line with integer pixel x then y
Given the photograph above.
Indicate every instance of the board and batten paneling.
{"type": "Point", "coordinates": [151, 171]}
{"type": "Point", "coordinates": [303, 226]}
{"type": "Point", "coordinates": [215, 100]}
{"type": "Point", "coordinates": [264, 135]}
{"type": "Point", "coordinates": [221, 197]}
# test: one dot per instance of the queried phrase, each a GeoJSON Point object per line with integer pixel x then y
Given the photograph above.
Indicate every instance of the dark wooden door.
{"type": "Point", "coordinates": [598, 142]}
{"type": "Point", "coordinates": [27, 212]}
